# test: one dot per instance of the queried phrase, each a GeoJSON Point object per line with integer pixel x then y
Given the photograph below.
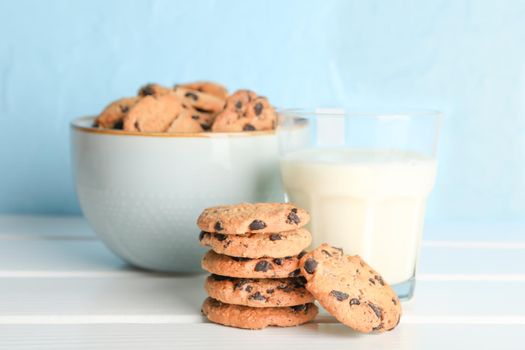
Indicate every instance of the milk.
{"type": "Point", "coordinates": [370, 203]}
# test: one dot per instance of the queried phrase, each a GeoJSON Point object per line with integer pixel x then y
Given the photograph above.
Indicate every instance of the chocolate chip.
{"type": "Point", "coordinates": [238, 104]}
{"type": "Point", "coordinates": [301, 254]}
{"type": "Point", "coordinates": [248, 288]}
{"type": "Point", "coordinates": [258, 108]}
{"type": "Point", "coordinates": [293, 218]}
{"type": "Point", "coordinates": [339, 249]}
{"type": "Point", "coordinates": [326, 252]}
{"type": "Point", "coordinates": [287, 288]}
{"type": "Point", "coordinates": [270, 291]}
{"type": "Point", "coordinates": [124, 109]}
{"type": "Point", "coordinates": [241, 282]}
{"type": "Point", "coordinates": [147, 90]}
{"type": "Point", "coordinates": [237, 258]}
{"type": "Point", "coordinates": [380, 280]}
{"type": "Point", "coordinates": [191, 95]}
{"type": "Point", "coordinates": [201, 235]}
{"type": "Point", "coordinates": [295, 273]}
{"type": "Point", "coordinates": [257, 225]}
{"type": "Point", "coordinates": [371, 281]}
{"type": "Point", "coordinates": [377, 310]}
{"type": "Point", "coordinates": [218, 226]}
{"type": "Point", "coordinates": [263, 266]}
{"type": "Point", "coordinates": [394, 301]}
{"type": "Point", "coordinates": [300, 280]}
{"type": "Point", "coordinates": [195, 117]}
{"type": "Point", "coordinates": [298, 308]}
{"type": "Point", "coordinates": [220, 237]}
{"type": "Point", "coordinates": [257, 296]}
{"type": "Point", "coordinates": [119, 125]}
{"type": "Point", "coordinates": [288, 257]}
{"type": "Point", "coordinates": [310, 265]}
{"type": "Point", "coordinates": [205, 127]}
{"type": "Point", "coordinates": [278, 261]}
{"type": "Point", "coordinates": [340, 296]}
{"type": "Point", "coordinates": [275, 237]}
{"type": "Point", "coordinates": [354, 301]}
{"type": "Point", "coordinates": [248, 127]}
{"type": "Point", "coordinates": [202, 110]}
{"type": "Point", "coordinates": [376, 328]}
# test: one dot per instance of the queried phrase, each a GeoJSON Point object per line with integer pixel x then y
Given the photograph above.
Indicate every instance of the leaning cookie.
{"type": "Point", "coordinates": [112, 117]}
{"type": "Point", "coordinates": [153, 113]}
{"type": "Point", "coordinates": [251, 268]}
{"type": "Point", "coordinates": [247, 217]}
{"type": "Point", "coordinates": [258, 245]}
{"type": "Point", "coordinates": [245, 111]}
{"type": "Point", "coordinates": [257, 318]}
{"type": "Point", "coordinates": [199, 100]}
{"type": "Point", "coordinates": [350, 290]}
{"type": "Point", "coordinates": [185, 121]}
{"type": "Point", "coordinates": [258, 292]}
{"type": "Point", "coordinates": [208, 87]}
{"type": "Point", "coordinates": [153, 90]}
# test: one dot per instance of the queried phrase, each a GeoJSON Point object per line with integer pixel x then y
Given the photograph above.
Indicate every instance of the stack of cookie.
{"type": "Point", "coordinates": [255, 278]}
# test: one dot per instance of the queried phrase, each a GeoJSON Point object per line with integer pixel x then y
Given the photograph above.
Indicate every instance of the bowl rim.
{"type": "Point", "coordinates": [83, 124]}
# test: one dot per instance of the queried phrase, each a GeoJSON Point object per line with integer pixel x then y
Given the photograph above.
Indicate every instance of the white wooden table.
{"type": "Point", "coordinates": [60, 288]}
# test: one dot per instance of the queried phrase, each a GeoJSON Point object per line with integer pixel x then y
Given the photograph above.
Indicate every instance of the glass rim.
{"type": "Point", "coordinates": [341, 112]}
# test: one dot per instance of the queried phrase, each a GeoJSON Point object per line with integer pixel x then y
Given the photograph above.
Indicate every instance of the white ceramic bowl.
{"type": "Point", "coordinates": [142, 192]}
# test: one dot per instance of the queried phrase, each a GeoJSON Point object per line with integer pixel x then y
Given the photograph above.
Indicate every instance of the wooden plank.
{"type": "Point", "coordinates": [209, 336]}
{"type": "Point", "coordinates": [166, 299]}
{"type": "Point", "coordinates": [40, 258]}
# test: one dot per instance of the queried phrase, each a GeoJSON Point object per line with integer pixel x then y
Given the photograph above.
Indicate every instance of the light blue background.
{"type": "Point", "coordinates": [63, 59]}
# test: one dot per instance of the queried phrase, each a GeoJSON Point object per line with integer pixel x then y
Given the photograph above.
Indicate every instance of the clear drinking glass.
{"type": "Point", "coordinates": [365, 179]}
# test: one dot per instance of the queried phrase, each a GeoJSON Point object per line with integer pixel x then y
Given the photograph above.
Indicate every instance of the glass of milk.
{"type": "Point", "coordinates": [365, 179]}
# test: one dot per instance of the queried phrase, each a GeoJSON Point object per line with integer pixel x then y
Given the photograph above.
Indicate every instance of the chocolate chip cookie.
{"type": "Point", "coordinates": [258, 245]}
{"type": "Point", "coordinates": [251, 268]}
{"type": "Point", "coordinates": [350, 290]}
{"type": "Point", "coordinates": [186, 121]}
{"type": "Point", "coordinates": [257, 317]}
{"type": "Point", "coordinates": [200, 101]}
{"type": "Point", "coordinates": [208, 87]}
{"type": "Point", "coordinates": [112, 117]}
{"type": "Point", "coordinates": [246, 217]}
{"type": "Point", "coordinates": [258, 292]}
{"type": "Point", "coordinates": [153, 90]}
{"type": "Point", "coordinates": [153, 113]}
{"type": "Point", "coordinates": [245, 111]}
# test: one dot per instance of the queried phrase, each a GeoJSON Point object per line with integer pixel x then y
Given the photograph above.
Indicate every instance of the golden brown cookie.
{"type": "Point", "coordinates": [112, 117]}
{"type": "Point", "coordinates": [350, 290]}
{"type": "Point", "coordinates": [208, 87]}
{"type": "Point", "coordinates": [153, 90]}
{"type": "Point", "coordinates": [185, 121]}
{"type": "Point", "coordinates": [241, 218]}
{"type": "Point", "coordinates": [258, 245]}
{"type": "Point", "coordinates": [258, 292]}
{"type": "Point", "coordinates": [244, 111]}
{"type": "Point", "coordinates": [203, 118]}
{"type": "Point", "coordinates": [200, 101]}
{"type": "Point", "coordinates": [256, 317]}
{"type": "Point", "coordinates": [153, 114]}
{"type": "Point", "coordinates": [251, 268]}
